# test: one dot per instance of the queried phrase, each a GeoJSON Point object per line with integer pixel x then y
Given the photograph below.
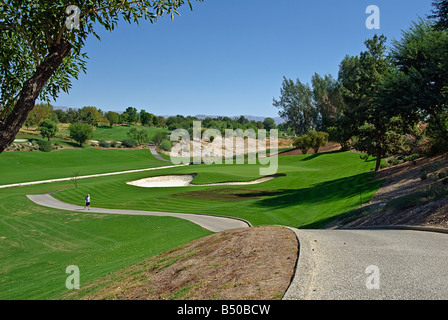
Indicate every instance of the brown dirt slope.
{"type": "Point", "coordinates": [406, 199]}
{"type": "Point", "coordinates": [249, 263]}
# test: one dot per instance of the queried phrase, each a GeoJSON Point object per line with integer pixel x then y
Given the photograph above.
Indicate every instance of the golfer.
{"type": "Point", "coordinates": [87, 200]}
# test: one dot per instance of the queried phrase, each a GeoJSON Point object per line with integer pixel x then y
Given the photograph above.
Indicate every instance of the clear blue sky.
{"type": "Point", "coordinates": [228, 57]}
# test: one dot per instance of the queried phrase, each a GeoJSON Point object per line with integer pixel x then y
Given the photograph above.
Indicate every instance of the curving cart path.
{"type": "Point", "coordinates": [349, 264]}
{"type": "Point", "coordinates": [209, 222]}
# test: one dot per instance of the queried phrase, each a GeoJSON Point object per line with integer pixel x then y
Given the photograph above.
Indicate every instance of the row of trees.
{"type": "Point", "coordinates": [220, 123]}
{"type": "Point", "coordinates": [92, 116]}
{"type": "Point", "coordinates": [381, 96]}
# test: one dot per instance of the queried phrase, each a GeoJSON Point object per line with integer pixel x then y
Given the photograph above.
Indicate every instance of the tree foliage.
{"type": "Point", "coordinates": [138, 134]}
{"type": "Point", "coordinates": [296, 106]}
{"type": "Point", "coordinates": [48, 129]}
{"type": "Point", "coordinates": [440, 14]}
{"type": "Point", "coordinates": [39, 55]}
{"type": "Point", "coordinates": [80, 132]}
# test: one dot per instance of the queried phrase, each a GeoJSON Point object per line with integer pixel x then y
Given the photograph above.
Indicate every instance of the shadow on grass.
{"type": "Point", "coordinates": [325, 192]}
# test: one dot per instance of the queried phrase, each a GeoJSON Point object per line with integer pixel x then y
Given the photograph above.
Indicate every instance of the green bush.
{"type": "Point", "coordinates": [44, 146]}
{"type": "Point", "coordinates": [424, 175]}
{"type": "Point", "coordinates": [165, 145]}
{"type": "Point", "coordinates": [411, 157]}
{"type": "Point", "coordinates": [104, 144]}
{"type": "Point", "coordinates": [393, 161]}
{"type": "Point", "coordinates": [129, 143]}
{"type": "Point", "coordinates": [158, 138]}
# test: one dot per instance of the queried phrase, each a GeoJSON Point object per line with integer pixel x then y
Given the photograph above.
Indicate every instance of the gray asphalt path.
{"type": "Point", "coordinates": [209, 222]}
{"type": "Point", "coordinates": [156, 154]}
{"type": "Point", "coordinates": [371, 265]}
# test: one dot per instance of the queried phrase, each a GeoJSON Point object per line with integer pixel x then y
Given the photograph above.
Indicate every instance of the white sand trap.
{"type": "Point", "coordinates": [185, 181]}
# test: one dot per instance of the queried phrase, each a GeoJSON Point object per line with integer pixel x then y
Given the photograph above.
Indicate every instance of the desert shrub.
{"type": "Point", "coordinates": [411, 157]}
{"type": "Point", "coordinates": [393, 161]}
{"type": "Point", "coordinates": [165, 145]}
{"type": "Point", "coordinates": [129, 143]}
{"type": "Point", "coordinates": [104, 144]}
{"type": "Point", "coordinates": [436, 147]}
{"type": "Point", "coordinates": [158, 138]}
{"type": "Point", "coordinates": [424, 175]}
{"type": "Point", "coordinates": [44, 146]}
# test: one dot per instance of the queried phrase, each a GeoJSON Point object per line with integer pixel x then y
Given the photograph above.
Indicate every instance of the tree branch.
{"type": "Point", "coordinates": [23, 32]}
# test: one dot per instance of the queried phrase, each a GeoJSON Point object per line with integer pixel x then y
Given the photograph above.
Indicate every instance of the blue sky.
{"type": "Point", "coordinates": [228, 57]}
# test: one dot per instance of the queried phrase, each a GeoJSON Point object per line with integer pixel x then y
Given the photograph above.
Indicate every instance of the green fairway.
{"type": "Point", "coordinates": [315, 188]}
{"type": "Point", "coordinates": [18, 167]}
{"type": "Point", "coordinates": [37, 244]}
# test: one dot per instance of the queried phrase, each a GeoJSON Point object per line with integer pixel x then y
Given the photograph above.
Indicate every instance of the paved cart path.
{"type": "Point", "coordinates": [371, 265]}
{"type": "Point", "coordinates": [209, 222]}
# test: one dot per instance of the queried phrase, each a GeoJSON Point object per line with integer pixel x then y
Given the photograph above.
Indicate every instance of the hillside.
{"type": "Point", "coordinates": [235, 264]}
{"type": "Point", "coordinates": [413, 193]}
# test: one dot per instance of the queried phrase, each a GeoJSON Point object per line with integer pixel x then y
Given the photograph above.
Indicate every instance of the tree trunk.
{"type": "Point", "coordinates": [31, 89]}
{"type": "Point", "coordinates": [378, 163]}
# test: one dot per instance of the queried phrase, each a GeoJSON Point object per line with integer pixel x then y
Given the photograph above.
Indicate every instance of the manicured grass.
{"type": "Point", "coordinates": [37, 244]}
{"type": "Point", "coordinates": [19, 166]}
{"type": "Point", "coordinates": [315, 188]}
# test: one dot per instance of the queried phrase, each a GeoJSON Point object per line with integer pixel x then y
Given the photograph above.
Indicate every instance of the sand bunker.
{"type": "Point", "coordinates": [185, 181]}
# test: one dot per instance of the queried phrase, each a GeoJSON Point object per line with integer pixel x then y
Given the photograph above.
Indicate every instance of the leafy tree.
{"type": "Point", "coordinates": [317, 139]}
{"type": "Point", "coordinates": [40, 112]}
{"type": "Point", "coordinates": [146, 118]}
{"type": "Point", "coordinates": [269, 124]}
{"type": "Point", "coordinates": [303, 143]}
{"type": "Point", "coordinates": [89, 115]}
{"type": "Point", "coordinates": [48, 129]}
{"type": "Point", "coordinates": [123, 118]}
{"type": "Point", "coordinates": [327, 99]}
{"type": "Point", "coordinates": [138, 134]}
{"type": "Point", "coordinates": [296, 106]}
{"type": "Point", "coordinates": [440, 14]}
{"type": "Point", "coordinates": [417, 90]}
{"type": "Point", "coordinates": [80, 132]}
{"type": "Point", "coordinates": [132, 115]}
{"type": "Point", "coordinates": [363, 115]}
{"type": "Point", "coordinates": [39, 55]}
{"type": "Point", "coordinates": [112, 117]}
{"type": "Point", "coordinates": [61, 115]}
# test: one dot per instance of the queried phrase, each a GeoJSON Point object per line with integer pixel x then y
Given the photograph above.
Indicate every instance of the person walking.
{"type": "Point", "coordinates": [87, 200]}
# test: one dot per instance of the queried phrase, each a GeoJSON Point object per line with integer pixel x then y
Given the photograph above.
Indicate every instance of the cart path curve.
{"type": "Point", "coordinates": [209, 222]}
{"type": "Point", "coordinates": [340, 264]}
{"type": "Point", "coordinates": [359, 264]}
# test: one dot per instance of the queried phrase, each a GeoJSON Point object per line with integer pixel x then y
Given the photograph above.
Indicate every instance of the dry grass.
{"type": "Point", "coordinates": [250, 263]}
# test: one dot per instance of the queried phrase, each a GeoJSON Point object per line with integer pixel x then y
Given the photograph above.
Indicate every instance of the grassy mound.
{"type": "Point", "coordinates": [250, 263]}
